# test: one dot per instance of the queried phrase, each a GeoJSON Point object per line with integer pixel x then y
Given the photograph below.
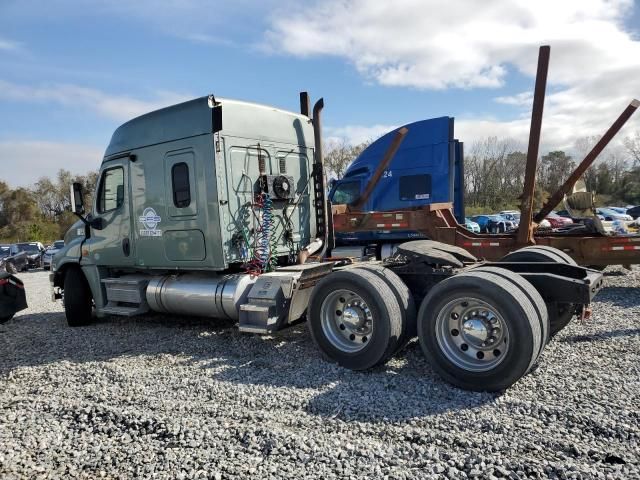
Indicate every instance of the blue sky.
{"type": "Point", "coordinates": [72, 71]}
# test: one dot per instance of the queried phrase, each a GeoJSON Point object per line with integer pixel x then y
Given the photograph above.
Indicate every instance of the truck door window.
{"type": "Point", "coordinates": [181, 187]}
{"type": "Point", "coordinates": [415, 187]}
{"type": "Point", "coordinates": [346, 193]}
{"type": "Point", "coordinates": [111, 190]}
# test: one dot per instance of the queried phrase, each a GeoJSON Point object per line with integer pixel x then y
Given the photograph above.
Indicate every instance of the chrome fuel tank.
{"type": "Point", "coordinates": [199, 294]}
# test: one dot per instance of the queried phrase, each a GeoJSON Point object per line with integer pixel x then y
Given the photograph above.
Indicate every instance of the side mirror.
{"type": "Point", "coordinates": [77, 204]}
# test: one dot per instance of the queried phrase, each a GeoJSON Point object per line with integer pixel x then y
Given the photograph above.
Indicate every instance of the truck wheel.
{"type": "Point", "coordinates": [553, 252]}
{"type": "Point", "coordinates": [355, 319]}
{"type": "Point", "coordinates": [560, 314]}
{"type": "Point", "coordinates": [529, 290]}
{"type": "Point", "coordinates": [479, 331]}
{"type": "Point", "coordinates": [77, 298]}
{"type": "Point", "coordinates": [10, 268]}
{"type": "Point", "coordinates": [405, 300]}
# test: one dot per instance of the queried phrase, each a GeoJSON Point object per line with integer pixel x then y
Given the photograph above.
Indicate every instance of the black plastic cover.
{"type": "Point", "coordinates": [12, 296]}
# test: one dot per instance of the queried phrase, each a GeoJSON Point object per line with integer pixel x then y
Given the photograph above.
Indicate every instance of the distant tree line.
{"type": "Point", "coordinates": [494, 171]}
{"type": "Point", "coordinates": [42, 211]}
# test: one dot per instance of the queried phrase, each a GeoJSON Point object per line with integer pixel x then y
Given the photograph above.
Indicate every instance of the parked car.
{"type": "Point", "coordinates": [564, 213]}
{"type": "Point", "coordinates": [511, 215]}
{"type": "Point", "coordinates": [558, 221]}
{"type": "Point", "coordinates": [493, 223]}
{"type": "Point", "coordinates": [634, 212]}
{"type": "Point", "coordinates": [50, 251]}
{"type": "Point", "coordinates": [618, 209]}
{"type": "Point", "coordinates": [13, 260]}
{"type": "Point", "coordinates": [34, 250]}
{"type": "Point", "coordinates": [611, 215]}
{"type": "Point", "coordinates": [471, 225]}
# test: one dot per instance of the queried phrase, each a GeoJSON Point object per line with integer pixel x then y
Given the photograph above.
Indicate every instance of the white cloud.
{"type": "Point", "coordinates": [354, 134]}
{"type": "Point", "coordinates": [117, 107]}
{"type": "Point", "coordinates": [594, 69]}
{"type": "Point", "coordinates": [424, 44]}
{"type": "Point", "coordinates": [45, 159]}
{"type": "Point", "coordinates": [9, 45]}
{"type": "Point", "coordinates": [523, 99]}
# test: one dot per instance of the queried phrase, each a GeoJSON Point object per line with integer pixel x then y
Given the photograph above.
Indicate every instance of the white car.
{"type": "Point", "coordinates": [611, 215]}
{"type": "Point", "coordinates": [511, 215]}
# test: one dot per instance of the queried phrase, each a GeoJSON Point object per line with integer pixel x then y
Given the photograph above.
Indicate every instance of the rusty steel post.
{"type": "Point", "coordinates": [384, 163]}
{"type": "Point", "coordinates": [557, 197]}
{"type": "Point", "coordinates": [525, 232]}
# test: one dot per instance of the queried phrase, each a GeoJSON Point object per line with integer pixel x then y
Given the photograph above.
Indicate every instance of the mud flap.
{"type": "Point", "coordinates": [12, 296]}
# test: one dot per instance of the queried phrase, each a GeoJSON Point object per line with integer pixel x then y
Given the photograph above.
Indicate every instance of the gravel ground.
{"type": "Point", "coordinates": [178, 398]}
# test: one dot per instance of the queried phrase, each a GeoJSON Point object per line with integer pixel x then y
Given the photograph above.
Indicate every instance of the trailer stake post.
{"type": "Point", "coordinates": [557, 197]}
{"type": "Point", "coordinates": [525, 232]}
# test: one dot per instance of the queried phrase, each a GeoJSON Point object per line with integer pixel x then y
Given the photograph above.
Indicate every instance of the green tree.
{"type": "Point", "coordinates": [556, 167]}
{"type": "Point", "coordinates": [339, 156]}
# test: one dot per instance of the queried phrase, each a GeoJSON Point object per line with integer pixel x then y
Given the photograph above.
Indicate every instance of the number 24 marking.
{"type": "Point", "coordinates": [387, 174]}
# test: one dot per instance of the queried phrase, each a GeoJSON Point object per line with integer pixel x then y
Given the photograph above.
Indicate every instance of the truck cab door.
{"type": "Point", "coordinates": [111, 244]}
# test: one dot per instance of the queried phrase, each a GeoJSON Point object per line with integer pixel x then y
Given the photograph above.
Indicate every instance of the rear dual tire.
{"type": "Point", "coordinates": [355, 318]}
{"type": "Point", "coordinates": [560, 314]}
{"type": "Point", "coordinates": [480, 331]}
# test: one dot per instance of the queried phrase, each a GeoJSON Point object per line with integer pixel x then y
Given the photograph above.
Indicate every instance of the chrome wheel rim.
{"type": "Point", "coordinates": [347, 322]}
{"type": "Point", "coordinates": [472, 334]}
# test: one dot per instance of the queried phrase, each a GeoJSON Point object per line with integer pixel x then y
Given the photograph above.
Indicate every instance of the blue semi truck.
{"type": "Point", "coordinates": [427, 168]}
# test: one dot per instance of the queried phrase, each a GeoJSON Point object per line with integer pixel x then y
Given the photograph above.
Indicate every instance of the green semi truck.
{"type": "Point", "coordinates": [217, 208]}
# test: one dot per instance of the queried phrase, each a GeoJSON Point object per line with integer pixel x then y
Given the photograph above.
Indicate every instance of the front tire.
{"type": "Point", "coordinates": [479, 331]}
{"type": "Point", "coordinates": [10, 268]}
{"type": "Point", "coordinates": [354, 319]}
{"type": "Point", "coordinates": [77, 298]}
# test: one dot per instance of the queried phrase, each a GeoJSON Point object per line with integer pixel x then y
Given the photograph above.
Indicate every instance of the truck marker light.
{"type": "Point", "coordinates": [620, 247]}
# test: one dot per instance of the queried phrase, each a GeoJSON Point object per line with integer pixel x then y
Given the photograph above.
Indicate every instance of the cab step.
{"type": "Point", "coordinates": [126, 295]}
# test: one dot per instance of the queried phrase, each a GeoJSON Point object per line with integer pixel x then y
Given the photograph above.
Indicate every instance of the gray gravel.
{"type": "Point", "coordinates": [179, 398]}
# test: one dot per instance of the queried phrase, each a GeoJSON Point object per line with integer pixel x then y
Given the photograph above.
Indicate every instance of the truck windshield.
{"type": "Point", "coordinates": [346, 193]}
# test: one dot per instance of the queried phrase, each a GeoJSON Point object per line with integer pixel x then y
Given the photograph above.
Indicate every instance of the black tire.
{"type": "Point", "coordinates": [10, 268]}
{"type": "Point", "coordinates": [532, 254]}
{"type": "Point", "coordinates": [77, 298]}
{"type": "Point", "coordinates": [522, 324]}
{"type": "Point", "coordinates": [385, 311]}
{"type": "Point", "coordinates": [6, 318]}
{"type": "Point", "coordinates": [560, 314]}
{"type": "Point", "coordinates": [532, 294]}
{"type": "Point", "coordinates": [405, 300]}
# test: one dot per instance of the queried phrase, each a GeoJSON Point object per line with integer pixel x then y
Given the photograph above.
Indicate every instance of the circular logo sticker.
{"type": "Point", "coordinates": [150, 218]}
